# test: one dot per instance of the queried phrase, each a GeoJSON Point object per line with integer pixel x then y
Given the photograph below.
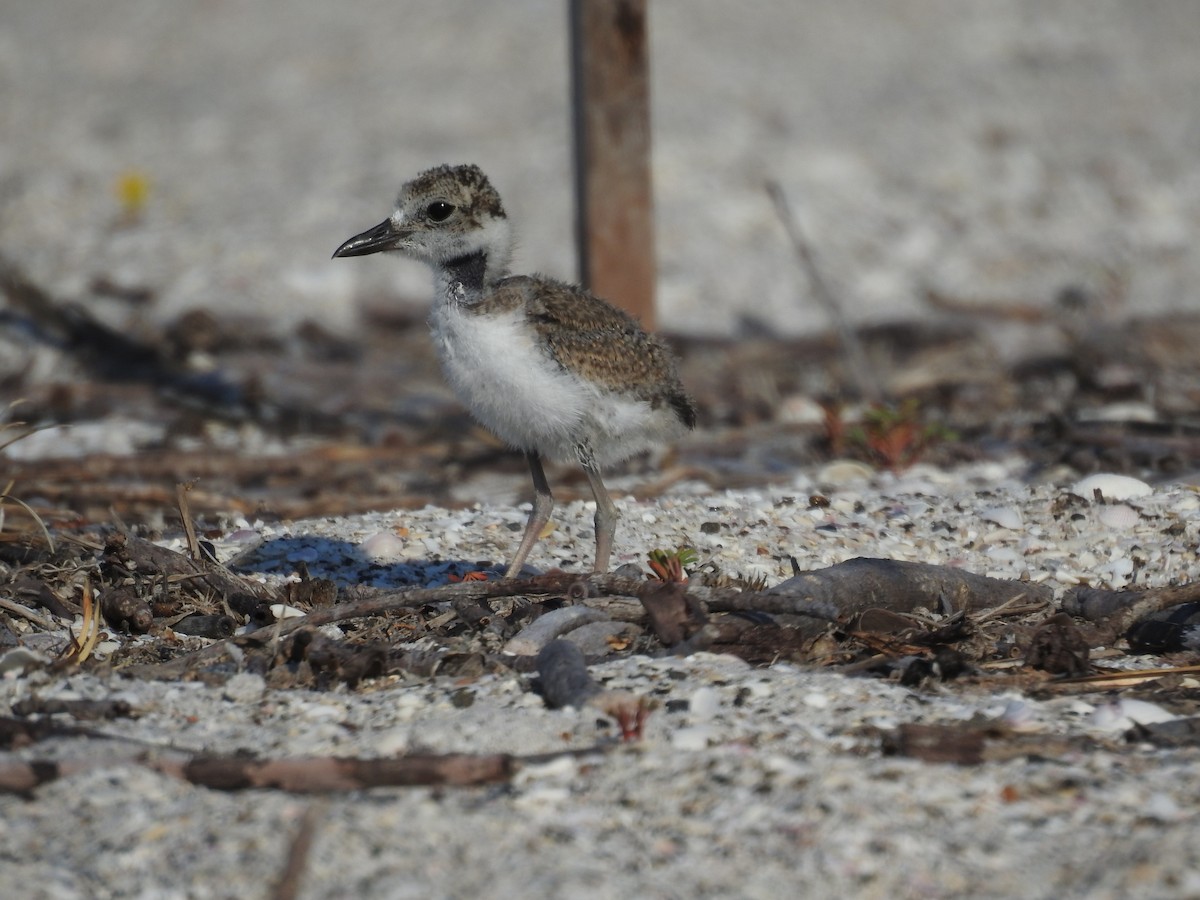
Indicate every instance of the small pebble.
{"type": "Point", "coordinates": [704, 703]}
{"type": "Point", "coordinates": [542, 630]}
{"type": "Point", "coordinates": [244, 687]}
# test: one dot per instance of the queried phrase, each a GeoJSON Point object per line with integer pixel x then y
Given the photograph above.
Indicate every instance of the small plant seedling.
{"type": "Point", "coordinates": [669, 566]}
{"type": "Point", "coordinates": [895, 437]}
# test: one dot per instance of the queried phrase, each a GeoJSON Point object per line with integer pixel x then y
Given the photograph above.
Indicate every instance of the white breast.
{"type": "Point", "coordinates": [511, 386]}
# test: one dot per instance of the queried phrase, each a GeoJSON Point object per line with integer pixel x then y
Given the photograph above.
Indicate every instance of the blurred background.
{"type": "Point", "coordinates": [1004, 195]}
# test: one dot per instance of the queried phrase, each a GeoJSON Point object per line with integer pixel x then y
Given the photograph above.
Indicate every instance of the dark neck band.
{"type": "Point", "coordinates": [468, 269]}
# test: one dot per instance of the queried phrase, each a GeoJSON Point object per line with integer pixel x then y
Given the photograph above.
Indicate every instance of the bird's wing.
{"type": "Point", "coordinates": [602, 343]}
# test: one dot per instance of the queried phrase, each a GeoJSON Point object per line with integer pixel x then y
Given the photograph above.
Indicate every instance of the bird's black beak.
{"type": "Point", "coordinates": [384, 236]}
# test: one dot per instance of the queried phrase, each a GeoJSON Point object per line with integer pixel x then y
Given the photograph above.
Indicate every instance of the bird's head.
{"type": "Point", "coordinates": [442, 215]}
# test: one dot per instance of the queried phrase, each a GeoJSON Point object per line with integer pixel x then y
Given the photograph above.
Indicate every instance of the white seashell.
{"type": "Point", "coordinates": [844, 471]}
{"type": "Point", "coordinates": [1112, 487]}
{"type": "Point", "coordinates": [1019, 716]}
{"type": "Point", "coordinates": [1002, 554]}
{"type": "Point", "coordinates": [20, 658]}
{"type": "Point", "coordinates": [1004, 516]}
{"type": "Point", "coordinates": [1186, 502]}
{"type": "Point", "coordinates": [1123, 714]}
{"type": "Point", "coordinates": [800, 409]}
{"type": "Point", "coordinates": [283, 611]}
{"type": "Point", "coordinates": [321, 712]}
{"type": "Point", "coordinates": [1066, 576]}
{"type": "Point", "coordinates": [1117, 516]}
{"type": "Point", "coordinates": [382, 546]}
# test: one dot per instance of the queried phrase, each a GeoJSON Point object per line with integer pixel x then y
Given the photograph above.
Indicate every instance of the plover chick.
{"type": "Point", "coordinates": [549, 368]}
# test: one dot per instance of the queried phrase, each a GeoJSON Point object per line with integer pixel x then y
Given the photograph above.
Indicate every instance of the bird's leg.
{"type": "Point", "coordinates": [543, 503]}
{"type": "Point", "coordinates": [606, 517]}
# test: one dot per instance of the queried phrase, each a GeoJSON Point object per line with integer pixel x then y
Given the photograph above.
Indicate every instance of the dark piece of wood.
{"type": "Point", "coordinates": [961, 745]}
{"type": "Point", "coordinates": [305, 776]}
{"type": "Point", "coordinates": [1173, 733]}
{"type": "Point", "coordinates": [829, 595]}
{"type": "Point", "coordinates": [322, 774]}
{"type": "Point", "coordinates": [290, 881]}
{"type": "Point", "coordinates": [614, 199]}
{"type": "Point", "coordinates": [970, 744]}
{"type": "Point", "coordinates": [1115, 612]}
{"type": "Point", "coordinates": [857, 585]}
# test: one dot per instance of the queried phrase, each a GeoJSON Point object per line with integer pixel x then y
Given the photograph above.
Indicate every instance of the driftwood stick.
{"type": "Point", "coordinates": [1115, 612]}
{"type": "Point", "coordinates": [832, 594]}
{"type": "Point", "coordinates": [863, 583]}
{"type": "Point", "coordinates": [301, 775]}
{"type": "Point", "coordinates": [304, 776]}
{"type": "Point", "coordinates": [291, 879]}
{"type": "Point", "coordinates": [323, 774]}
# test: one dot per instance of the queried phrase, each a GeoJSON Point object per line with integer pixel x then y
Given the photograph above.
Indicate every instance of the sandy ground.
{"type": "Point", "coordinates": [994, 151]}
{"type": "Point", "coordinates": [749, 782]}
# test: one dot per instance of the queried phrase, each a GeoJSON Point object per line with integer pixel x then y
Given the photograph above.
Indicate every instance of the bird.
{"type": "Point", "coordinates": [549, 368]}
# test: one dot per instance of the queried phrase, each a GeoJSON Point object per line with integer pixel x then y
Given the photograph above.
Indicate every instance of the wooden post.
{"type": "Point", "coordinates": [614, 200]}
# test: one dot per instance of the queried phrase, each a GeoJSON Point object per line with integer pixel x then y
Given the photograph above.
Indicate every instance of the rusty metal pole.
{"type": "Point", "coordinates": [614, 199]}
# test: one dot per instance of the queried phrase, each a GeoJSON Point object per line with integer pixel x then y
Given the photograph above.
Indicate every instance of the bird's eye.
{"type": "Point", "coordinates": [439, 210]}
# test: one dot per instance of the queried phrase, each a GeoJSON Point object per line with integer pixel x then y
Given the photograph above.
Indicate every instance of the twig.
{"type": "Point", "coordinates": [1010, 607]}
{"type": "Point", "coordinates": [312, 775]}
{"type": "Point", "coordinates": [1121, 677]}
{"type": "Point", "coordinates": [861, 370]}
{"type": "Point", "coordinates": [27, 614]}
{"type": "Point", "coordinates": [25, 506]}
{"type": "Point", "coordinates": [288, 887]}
{"type": "Point", "coordinates": [181, 499]}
